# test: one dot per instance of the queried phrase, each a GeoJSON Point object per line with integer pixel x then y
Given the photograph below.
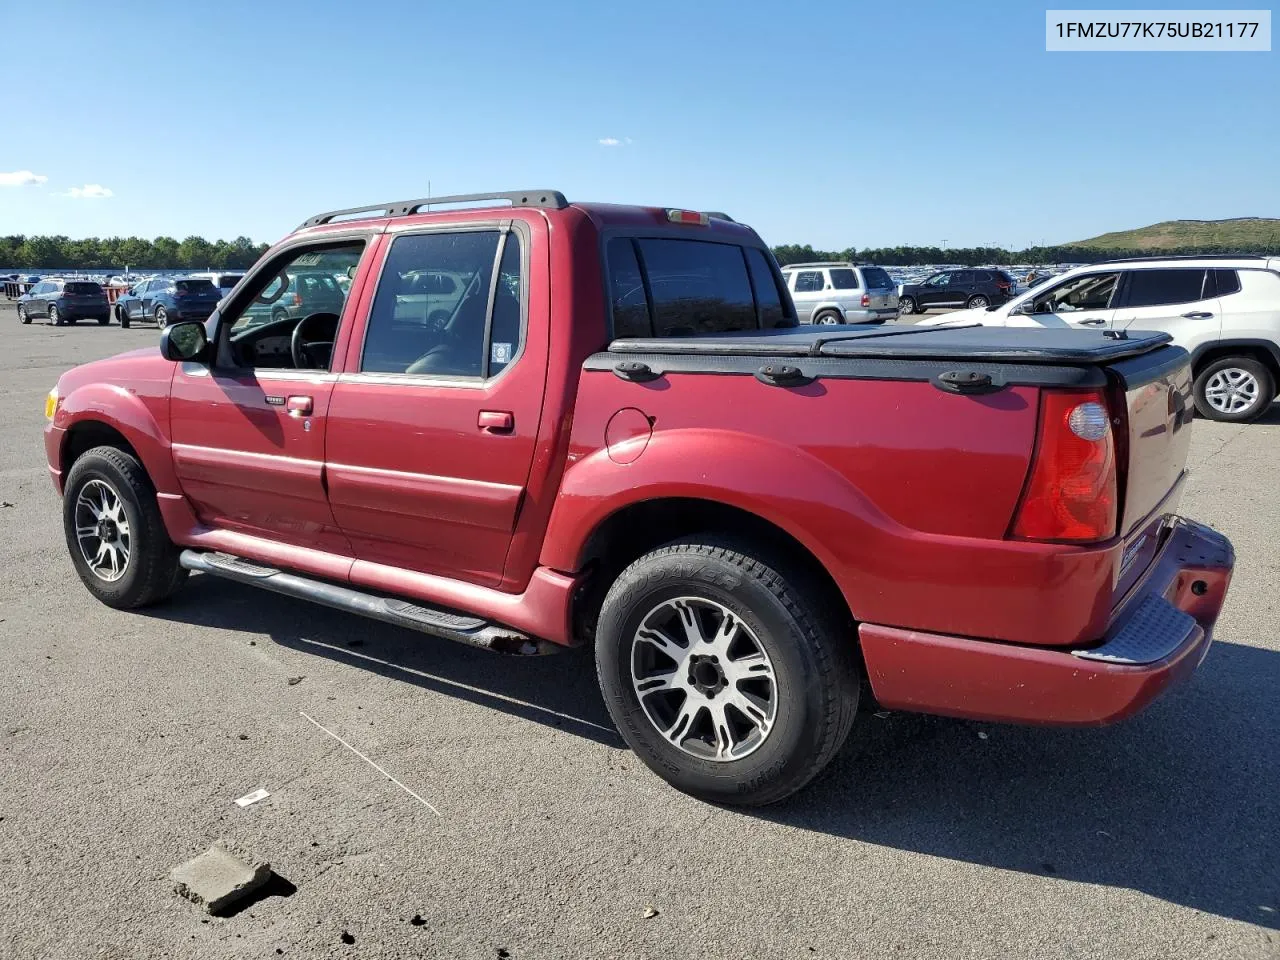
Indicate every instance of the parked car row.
{"type": "Point", "coordinates": [1224, 311]}
{"type": "Point", "coordinates": [64, 301]}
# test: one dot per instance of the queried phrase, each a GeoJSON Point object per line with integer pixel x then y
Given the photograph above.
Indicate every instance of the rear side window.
{"type": "Point", "coordinates": [843, 278]}
{"type": "Point", "coordinates": [808, 281]}
{"type": "Point", "coordinates": [1227, 282]}
{"type": "Point", "coordinates": [671, 288]}
{"type": "Point", "coordinates": [229, 279]}
{"type": "Point", "coordinates": [82, 288]}
{"type": "Point", "coordinates": [473, 330]}
{"type": "Point", "coordinates": [981, 276]}
{"type": "Point", "coordinates": [1155, 288]}
{"type": "Point", "coordinates": [876, 278]}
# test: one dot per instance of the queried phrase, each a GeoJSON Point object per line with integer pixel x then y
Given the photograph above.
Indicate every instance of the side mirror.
{"type": "Point", "coordinates": [183, 341]}
{"type": "Point", "coordinates": [1025, 308]}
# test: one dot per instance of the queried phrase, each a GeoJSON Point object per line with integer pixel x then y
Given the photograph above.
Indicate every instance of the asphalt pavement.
{"type": "Point", "coordinates": [522, 828]}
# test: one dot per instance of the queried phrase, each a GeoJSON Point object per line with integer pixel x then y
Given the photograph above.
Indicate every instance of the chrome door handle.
{"type": "Point", "coordinates": [299, 406]}
{"type": "Point", "coordinates": [1094, 321]}
{"type": "Point", "coordinates": [1198, 315]}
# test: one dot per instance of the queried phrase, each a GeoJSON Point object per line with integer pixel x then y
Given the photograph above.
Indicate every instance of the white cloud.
{"type": "Point", "coordinates": [609, 142]}
{"type": "Point", "coordinates": [90, 191]}
{"type": "Point", "coordinates": [21, 178]}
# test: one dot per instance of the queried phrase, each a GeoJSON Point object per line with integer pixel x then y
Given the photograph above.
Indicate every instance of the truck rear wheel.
{"type": "Point", "coordinates": [114, 532]}
{"type": "Point", "coordinates": [723, 673]}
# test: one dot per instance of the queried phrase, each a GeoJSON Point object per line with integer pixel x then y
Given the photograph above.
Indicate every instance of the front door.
{"type": "Point", "coordinates": [248, 430]}
{"type": "Point", "coordinates": [936, 291]}
{"type": "Point", "coordinates": [432, 430]}
{"type": "Point", "coordinates": [1086, 300]}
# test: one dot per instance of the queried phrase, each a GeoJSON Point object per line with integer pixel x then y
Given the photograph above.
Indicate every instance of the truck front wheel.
{"type": "Point", "coordinates": [728, 677]}
{"type": "Point", "coordinates": [114, 531]}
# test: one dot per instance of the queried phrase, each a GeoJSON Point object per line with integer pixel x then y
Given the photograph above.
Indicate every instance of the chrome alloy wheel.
{"type": "Point", "coordinates": [1231, 390]}
{"type": "Point", "coordinates": [704, 679]}
{"type": "Point", "coordinates": [102, 530]}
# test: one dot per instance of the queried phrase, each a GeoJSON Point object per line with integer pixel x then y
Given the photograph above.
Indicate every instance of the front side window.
{"type": "Point", "coordinates": [1157, 288]}
{"type": "Point", "coordinates": [280, 301]}
{"type": "Point", "coordinates": [809, 281]}
{"type": "Point", "coordinates": [843, 278]}
{"type": "Point", "coordinates": [440, 310]}
{"type": "Point", "coordinates": [939, 280]}
{"type": "Point", "coordinates": [1090, 292]}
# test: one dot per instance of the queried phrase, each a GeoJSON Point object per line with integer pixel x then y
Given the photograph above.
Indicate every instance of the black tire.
{"type": "Point", "coordinates": [22, 315]}
{"type": "Point", "coordinates": [828, 318]}
{"type": "Point", "coordinates": [123, 317]}
{"type": "Point", "coordinates": [54, 318]}
{"type": "Point", "coordinates": [1266, 389]}
{"type": "Point", "coordinates": [907, 306]}
{"type": "Point", "coordinates": [103, 321]}
{"type": "Point", "coordinates": [151, 572]}
{"type": "Point", "coordinates": [810, 649]}
{"type": "Point", "coordinates": [162, 318]}
{"type": "Point", "coordinates": [978, 301]}
{"type": "Point", "coordinates": [279, 315]}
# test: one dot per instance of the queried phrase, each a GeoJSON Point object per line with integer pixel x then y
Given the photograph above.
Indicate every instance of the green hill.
{"type": "Point", "coordinates": [1243, 234]}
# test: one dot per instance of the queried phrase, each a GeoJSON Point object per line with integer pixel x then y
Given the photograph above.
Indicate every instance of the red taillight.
{"type": "Point", "coordinates": [687, 216]}
{"type": "Point", "coordinates": [866, 299]}
{"type": "Point", "coordinates": [1071, 493]}
{"type": "Point", "coordinates": [1003, 284]}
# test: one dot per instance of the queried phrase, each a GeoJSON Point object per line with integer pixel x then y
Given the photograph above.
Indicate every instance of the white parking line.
{"type": "Point", "coordinates": [426, 803]}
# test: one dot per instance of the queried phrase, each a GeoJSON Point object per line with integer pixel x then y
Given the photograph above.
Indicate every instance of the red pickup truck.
{"type": "Point", "coordinates": [550, 423]}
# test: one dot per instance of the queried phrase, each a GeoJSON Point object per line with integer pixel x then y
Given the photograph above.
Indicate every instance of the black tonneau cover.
{"type": "Point", "coordinates": [1023, 345]}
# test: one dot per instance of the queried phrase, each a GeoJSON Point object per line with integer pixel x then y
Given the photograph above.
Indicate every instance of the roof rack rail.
{"type": "Point", "coordinates": [551, 199]}
{"type": "Point", "coordinates": [1185, 256]}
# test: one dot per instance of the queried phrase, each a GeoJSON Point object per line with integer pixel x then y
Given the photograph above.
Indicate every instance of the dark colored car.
{"type": "Point", "coordinates": [600, 424]}
{"type": "Point", "coordinates": [955, 289]}
{"type": "Point", "coordinates": [65, 301]}
{"type": "Point", "coordinates": [167, 300]}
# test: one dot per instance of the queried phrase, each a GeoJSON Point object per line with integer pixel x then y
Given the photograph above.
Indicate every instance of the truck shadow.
{"type": "Point", "coordinates": [1181, 802]}
{"type": "Point", "coordinates": [559, 691]}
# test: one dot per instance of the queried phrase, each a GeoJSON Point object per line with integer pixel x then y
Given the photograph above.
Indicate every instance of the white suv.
{"type": "Point", "coordinates": [1225, 311]}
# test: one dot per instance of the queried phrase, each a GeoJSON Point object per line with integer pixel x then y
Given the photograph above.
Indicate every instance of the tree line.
{"type": "Point", "coordinates": [116, 253]}
{"type": "Point", "coordinates": [197, 253]}
{"type": "Point", "coordinates": [977, 256]}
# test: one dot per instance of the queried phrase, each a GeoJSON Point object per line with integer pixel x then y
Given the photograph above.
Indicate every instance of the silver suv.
{"type": "Point", "coordinates": [829, 293]}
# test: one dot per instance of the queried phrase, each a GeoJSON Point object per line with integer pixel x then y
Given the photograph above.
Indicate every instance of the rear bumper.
{"type": "Point", "coordinates": [858, 315]}
{"type": "Point", "coordinates": [1157, 639]}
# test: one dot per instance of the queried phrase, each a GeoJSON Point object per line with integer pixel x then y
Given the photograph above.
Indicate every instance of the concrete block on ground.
{"type": "Point", "coordinates": [217, 879]}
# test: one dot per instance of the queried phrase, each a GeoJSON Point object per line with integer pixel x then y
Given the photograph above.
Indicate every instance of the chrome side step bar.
{"type": "Point", "coordinates": [402, 613]}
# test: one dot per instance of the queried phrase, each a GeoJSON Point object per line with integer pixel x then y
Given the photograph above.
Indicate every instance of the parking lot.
{"type": "Point", "coordinates": [534, 833]}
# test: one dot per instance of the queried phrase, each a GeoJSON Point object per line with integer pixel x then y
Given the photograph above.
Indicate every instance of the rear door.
{"type": "Point", "coordinates": [432, 431]}
{"type": "Point", "coordinates": [881, 293]}
{"type": "Point", "coordinates": [1180, 301]}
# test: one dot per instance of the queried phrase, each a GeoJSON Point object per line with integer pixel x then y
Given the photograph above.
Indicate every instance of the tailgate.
{"type": "Point", "coordinates": [1156, 390]}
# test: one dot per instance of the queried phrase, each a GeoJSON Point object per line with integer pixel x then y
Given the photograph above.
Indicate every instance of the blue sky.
{"type": "Point", "coordinates": [834, 124]}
